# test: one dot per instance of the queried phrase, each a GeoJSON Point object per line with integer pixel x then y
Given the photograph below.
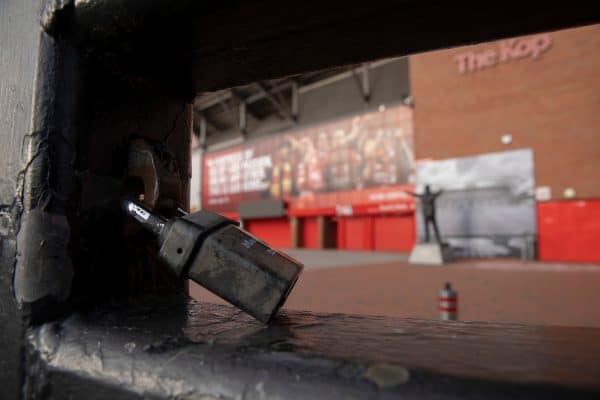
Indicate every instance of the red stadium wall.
{"type": "Point", "coordinates": [382, 232]}
{"type": "Point", "coordinates": [569, 231]}
{"type": "Point", "coordinates": [354, 233]}
{"type": "Point", "coordinates": [394, 233]}
{"type": "Point", "coordinates": [309, 238]}
{"type": "Point", "coordinates": [274, 231]}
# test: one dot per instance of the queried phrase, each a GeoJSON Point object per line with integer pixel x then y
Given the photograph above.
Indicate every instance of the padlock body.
{"type": "Point", "coordinates": [245, 271]}
{"type": "Point", "coordinates": [181, 237]}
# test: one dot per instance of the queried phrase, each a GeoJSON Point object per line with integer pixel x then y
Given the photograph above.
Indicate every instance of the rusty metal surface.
{"type": "Point", "coordinates": [189, 350]}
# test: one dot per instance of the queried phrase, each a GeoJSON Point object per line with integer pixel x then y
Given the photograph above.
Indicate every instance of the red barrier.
{"type": "Point", "coordinates": [569, 231]}
{"type": "Point", "coordinates": [309, 233]}
{"type": "Point", "coordinates": [394, 233]}
{"type": "Point", "coordinates": [381, 232]}
{"type": "Point", "coordinates": [274, 231]}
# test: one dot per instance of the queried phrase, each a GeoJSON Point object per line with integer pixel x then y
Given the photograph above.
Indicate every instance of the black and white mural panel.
{"type": "Point", "coordinates": [487, 208]}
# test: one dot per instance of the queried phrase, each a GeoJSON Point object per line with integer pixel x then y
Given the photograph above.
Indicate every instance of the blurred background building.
{"type": "Point", "coordinates": [508, 130]}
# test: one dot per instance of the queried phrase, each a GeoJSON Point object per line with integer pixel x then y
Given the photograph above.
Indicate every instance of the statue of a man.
{"type": "Point", "coordinates": [428, 210]}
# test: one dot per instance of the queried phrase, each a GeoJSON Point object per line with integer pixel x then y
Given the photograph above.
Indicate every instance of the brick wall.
{"type": "Point", "coordinates": [550, 104]}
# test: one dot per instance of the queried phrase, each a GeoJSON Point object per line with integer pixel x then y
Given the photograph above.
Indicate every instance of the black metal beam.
{"type": "Point", "coordinates": [224, 44]}
{"type": "Point", "coordinates": [363, 82]}
{"type": "Point", "coordinates": [281, 109]}
{"type": "Point", "coordinates": [210, 123]}
{"type": "Point", "coordinates": [241, 99]}
{"type": "Point", "coordinates": [231, 115]}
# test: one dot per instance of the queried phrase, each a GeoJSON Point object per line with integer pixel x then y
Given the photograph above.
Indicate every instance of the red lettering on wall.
{"type": "Point", "coordinates": [508, 50]}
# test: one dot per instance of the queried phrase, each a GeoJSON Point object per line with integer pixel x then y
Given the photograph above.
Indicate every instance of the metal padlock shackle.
{"type": "Point", "coordinates": [214, 252]}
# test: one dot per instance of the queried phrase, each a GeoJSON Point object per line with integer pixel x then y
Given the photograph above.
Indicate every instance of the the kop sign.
{"type": "Point", "coordinates": [508, 50]}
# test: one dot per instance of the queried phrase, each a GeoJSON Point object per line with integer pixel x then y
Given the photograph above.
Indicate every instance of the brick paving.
{"type": "Point", "coordinates": [489, 290]}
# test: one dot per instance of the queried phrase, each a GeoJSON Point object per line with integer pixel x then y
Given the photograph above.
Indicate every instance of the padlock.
{"type": "Point", "coordinates": [230, 262]}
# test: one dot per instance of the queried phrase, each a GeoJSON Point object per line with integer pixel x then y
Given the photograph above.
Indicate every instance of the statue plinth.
{"type": "Point", "coordinates": [431, 253]}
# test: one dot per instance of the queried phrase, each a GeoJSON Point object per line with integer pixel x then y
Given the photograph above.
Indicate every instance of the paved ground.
{"type": "Point", "coordinates": [489, 290]}
{"type": "Point", "coordinates": [318, 259]}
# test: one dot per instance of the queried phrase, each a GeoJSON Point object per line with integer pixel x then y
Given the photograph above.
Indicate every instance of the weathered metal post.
{"type": "Point", "coordinates": [67, 123]}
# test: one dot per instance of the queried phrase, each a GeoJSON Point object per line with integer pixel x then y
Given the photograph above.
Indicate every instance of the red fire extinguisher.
{"type": "Point", "coordinates": [448, 303]}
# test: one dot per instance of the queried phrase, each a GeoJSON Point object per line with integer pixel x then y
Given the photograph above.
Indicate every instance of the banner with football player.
{"type": "Point", "coordinates": [362, 160]}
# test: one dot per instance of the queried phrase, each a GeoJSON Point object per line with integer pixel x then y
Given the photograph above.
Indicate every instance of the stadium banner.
{"type": "Point", "coordinates": [364, 162]}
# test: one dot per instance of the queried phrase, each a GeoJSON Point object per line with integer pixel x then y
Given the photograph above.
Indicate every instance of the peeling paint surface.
{"type": "Point", "coordinates": [43, 266]}
{"type": "Point", "coordinates": [387, 375]}
{"type": "Point", "coordinates": [18, 59]}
